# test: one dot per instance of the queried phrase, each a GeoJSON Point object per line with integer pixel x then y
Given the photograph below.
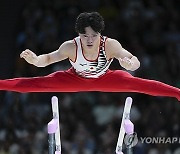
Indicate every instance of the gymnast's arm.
{"type": "Point", "coordinates": [126, 59]}
{"type": "Point", "coordinates": [66, 50]}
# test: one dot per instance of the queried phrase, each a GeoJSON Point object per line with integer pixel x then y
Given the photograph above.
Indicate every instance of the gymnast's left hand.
{"type": "Point", "coordinates": [129, 63]}
{"type": "Point", "coordinates": [126, 63]}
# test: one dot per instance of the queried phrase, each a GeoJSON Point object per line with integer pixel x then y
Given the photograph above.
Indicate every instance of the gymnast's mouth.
{"type": "Point", "coordinates": [89, 45]}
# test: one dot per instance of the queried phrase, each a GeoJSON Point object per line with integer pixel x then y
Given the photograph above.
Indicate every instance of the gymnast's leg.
{"type": "Point", "coordinates": [121, 81]}
{"type": "Point", "coordinates": [61, 81]}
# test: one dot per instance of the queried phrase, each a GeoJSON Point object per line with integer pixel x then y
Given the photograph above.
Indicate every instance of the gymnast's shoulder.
{"type": "Point", "coordinates": [68, 45]}
{"type": "Point", "coordinates": [112, 46]}
{"type": "Point", "coordinates": [110, 42]}
{"type": "Point", "coordinates": [68, 48]}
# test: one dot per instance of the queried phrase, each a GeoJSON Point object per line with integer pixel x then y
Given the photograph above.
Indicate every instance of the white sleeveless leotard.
{"type": "Point", "coordinates": [90, 68]}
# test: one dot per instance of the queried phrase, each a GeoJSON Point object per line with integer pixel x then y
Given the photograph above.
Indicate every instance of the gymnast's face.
{"type": "Point", "coordinates": [90, 39]}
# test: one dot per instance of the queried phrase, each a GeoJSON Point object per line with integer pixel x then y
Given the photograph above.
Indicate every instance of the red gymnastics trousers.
{"type": "Point", "coordinates": [68, 81]}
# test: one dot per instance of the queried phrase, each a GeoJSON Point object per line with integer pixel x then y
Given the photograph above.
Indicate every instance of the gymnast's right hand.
{"type": "Point", "coordinates": [29, 56]}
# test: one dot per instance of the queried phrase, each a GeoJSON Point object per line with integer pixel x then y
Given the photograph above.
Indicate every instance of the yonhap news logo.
{"type": "Point", "coordinates": [132, 140]}
{"type": "Point", "coordinates": [160, 140]}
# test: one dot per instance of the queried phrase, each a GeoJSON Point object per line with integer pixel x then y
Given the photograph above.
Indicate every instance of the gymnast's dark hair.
{"type": "Point", "coordinates": [92, 19]}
